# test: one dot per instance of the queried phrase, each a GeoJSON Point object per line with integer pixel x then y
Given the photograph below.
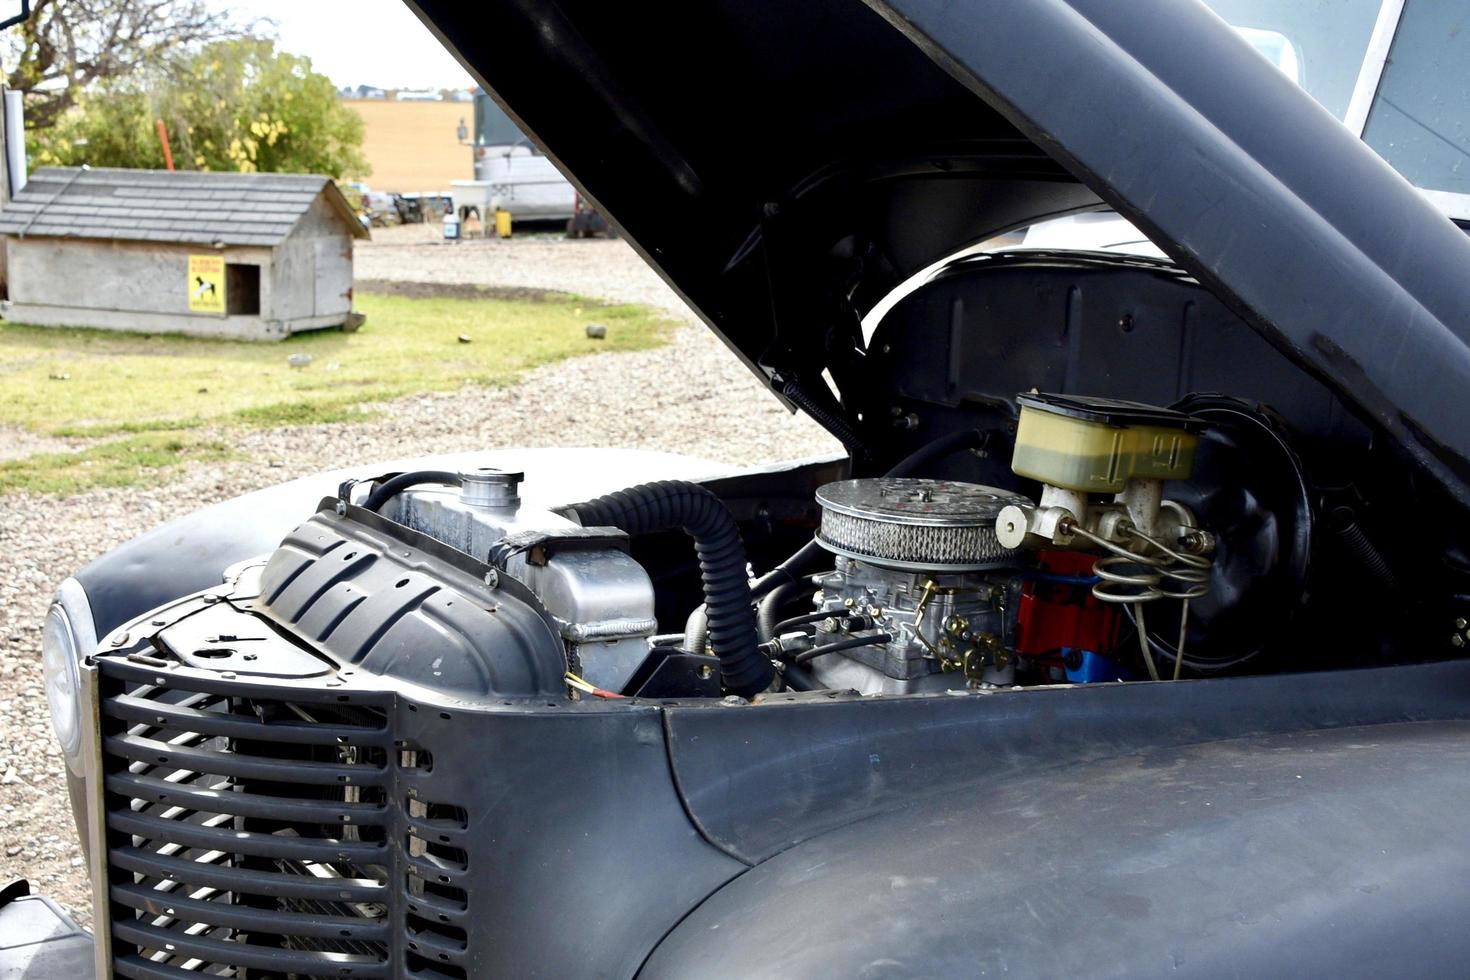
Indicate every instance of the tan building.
{"type": "Point", "coordinates": [253, 256]}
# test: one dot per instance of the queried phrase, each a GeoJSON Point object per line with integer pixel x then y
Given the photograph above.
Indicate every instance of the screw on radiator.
{"type": "Point", "coordinates": [492, 578]}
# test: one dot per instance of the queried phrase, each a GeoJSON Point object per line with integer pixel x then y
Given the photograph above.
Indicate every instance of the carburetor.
{"type": "Point", "coordinates": [920, 574]}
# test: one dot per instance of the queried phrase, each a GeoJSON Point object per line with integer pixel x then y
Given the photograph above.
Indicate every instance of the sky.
{"type": "Point", "coordinates": [358, 42]}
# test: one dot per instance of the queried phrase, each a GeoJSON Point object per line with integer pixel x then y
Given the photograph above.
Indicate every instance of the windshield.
{"type": "Point", "coordinates": [1420, 120]}
{"type": "Point", "coordinates": [1319, 44]}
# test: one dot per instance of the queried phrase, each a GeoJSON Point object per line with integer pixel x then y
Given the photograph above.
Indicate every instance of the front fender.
{"type": "Point", "coordinates": [1293, 825]}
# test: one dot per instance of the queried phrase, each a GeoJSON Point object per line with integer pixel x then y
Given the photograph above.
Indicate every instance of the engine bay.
{"type": "Point", "coordinates": [984, 534]}
{"type": "Point", "coordinates": [1125, 547]}
{"type": "Point", "coordinates": [1169, 498]}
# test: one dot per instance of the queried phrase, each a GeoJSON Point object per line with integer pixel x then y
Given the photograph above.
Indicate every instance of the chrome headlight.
{"type": "Point", "coordinates": [59, 655]}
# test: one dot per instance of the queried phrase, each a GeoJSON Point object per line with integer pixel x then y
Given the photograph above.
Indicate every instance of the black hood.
{"type": "Point", "coordinates": [786, 165]}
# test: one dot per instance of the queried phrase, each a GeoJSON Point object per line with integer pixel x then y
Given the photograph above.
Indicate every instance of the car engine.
{"type": "Point", "coordinates": [930, 584]}
{"type": "Point", "coordinates": [1106, 541]}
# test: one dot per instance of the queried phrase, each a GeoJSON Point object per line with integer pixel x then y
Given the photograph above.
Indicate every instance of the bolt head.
{"type": "Point", "coordinates": [1460, 623]}
{"type": "Point", "coordinates": [1457, 640]}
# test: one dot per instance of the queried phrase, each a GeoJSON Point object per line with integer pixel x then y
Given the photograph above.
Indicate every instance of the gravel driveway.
{"type": "Point", "coordinates": [691, 397]}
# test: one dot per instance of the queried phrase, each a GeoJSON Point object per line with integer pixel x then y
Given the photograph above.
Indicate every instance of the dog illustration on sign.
{"type": "Point", "coordinates": [206, 282]}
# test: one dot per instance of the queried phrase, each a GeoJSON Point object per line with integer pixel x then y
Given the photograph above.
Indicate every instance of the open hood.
{"type": "Point", "coordinates": [786, 165]}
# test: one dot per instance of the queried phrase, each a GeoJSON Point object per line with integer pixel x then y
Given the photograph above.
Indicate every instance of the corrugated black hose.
{"type": "Point", "coordinates": [828, 415]}
{"type": "Point", "coordinates": [676, 505]}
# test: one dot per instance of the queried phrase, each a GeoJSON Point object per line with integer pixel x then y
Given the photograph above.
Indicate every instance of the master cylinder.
{"type": "Point", "coordinates": [1102, 464]}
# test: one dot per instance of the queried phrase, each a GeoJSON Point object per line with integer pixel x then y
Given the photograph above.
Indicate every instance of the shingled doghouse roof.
{"type": "Point", "coordinates": [168, 206]}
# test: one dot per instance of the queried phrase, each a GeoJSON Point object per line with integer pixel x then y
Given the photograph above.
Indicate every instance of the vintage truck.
{"type": "Point", "coordinates": [1126, 637]}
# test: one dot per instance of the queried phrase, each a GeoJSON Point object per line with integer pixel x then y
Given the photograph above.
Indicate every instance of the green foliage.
{"type": "Point", "coordinates": [282, 414]}
{"type": "Point", "coordinates": [113, 128]}
{"type": "Point", "coordinates": [235, 105]}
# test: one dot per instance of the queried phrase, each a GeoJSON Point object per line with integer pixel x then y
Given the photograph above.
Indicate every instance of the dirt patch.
{"type": "Point", "coordinates": [17, 443]}
{"type": "Point", "coordinates": [459, 290]}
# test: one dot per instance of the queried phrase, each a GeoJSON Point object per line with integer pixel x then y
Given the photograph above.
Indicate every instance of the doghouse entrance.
{"type": "Point", "coordinates": [242, 289]}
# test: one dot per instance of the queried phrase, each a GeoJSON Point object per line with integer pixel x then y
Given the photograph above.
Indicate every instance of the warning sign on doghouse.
{"type": "Point", "coordinates": [207, 283]}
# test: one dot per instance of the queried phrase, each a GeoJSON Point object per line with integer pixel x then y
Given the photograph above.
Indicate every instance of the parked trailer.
{"type": "Point", "coordinates": [511, 174]}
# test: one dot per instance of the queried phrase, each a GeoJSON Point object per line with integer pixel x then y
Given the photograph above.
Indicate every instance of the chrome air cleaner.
{"type": "Point", "coordinates": [931, 525]}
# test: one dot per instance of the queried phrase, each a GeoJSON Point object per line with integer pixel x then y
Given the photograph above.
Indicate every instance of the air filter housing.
{"type": "Point", "coordinates": [926, 525]}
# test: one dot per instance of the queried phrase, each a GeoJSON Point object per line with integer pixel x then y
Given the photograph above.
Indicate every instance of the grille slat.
{"type": "Point", "coordinates": [247, 835]}
{"type": "Point", "coordinates": [158, 753]}
{"type": "Point", "coordinates": [228, 726]}
{"type": "Point", "coordinates": [252, 957]}
{"type": "Point", "coordinates": [134, 967]}
{"type": "Point", "coordinates": [261, 829]}
{"type": "Point", "coordinates": [164, 904]}
{"type": "Point", "coordinates": [155, 790]}
{"type": "Point", "coordinates": [247, 842]}
{"type": "Point", "coordinates": [450, 908]}
{"type": "Point", "coordinates": [267, 884]}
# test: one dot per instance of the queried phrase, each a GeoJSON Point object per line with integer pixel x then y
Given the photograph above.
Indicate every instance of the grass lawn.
{"type": "Point", "coordinates": [143, 395]}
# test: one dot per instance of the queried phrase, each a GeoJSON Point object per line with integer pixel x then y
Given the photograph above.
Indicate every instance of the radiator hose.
{"type": "Point", "coordinates": [676, 505]}
{"type": "Point", "coordinates": [393, 486]}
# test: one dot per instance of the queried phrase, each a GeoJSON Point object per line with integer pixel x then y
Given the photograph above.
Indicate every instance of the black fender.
{"type": "Point", "coordinates": [1284, 826]}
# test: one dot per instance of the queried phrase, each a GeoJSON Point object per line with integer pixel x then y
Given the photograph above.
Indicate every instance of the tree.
{"type": "Point", "coordinates": [232, 105]}
{"type": "Point", "coordinates": [68, 47]}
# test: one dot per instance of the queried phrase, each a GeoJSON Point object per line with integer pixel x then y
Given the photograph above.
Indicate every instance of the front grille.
{"type": "Point", "coordinates": [259, 831]}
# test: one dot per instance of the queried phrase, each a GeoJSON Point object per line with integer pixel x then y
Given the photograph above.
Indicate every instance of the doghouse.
{"type": "Point", "coordinates": [253, 256]}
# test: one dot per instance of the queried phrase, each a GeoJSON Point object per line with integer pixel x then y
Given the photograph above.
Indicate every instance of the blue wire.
{"type": "Point", "coordinates": [1088, 580]}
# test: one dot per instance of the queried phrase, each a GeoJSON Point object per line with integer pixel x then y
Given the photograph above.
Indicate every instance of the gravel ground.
{"type": "Point", "coordinates": [691, 397]}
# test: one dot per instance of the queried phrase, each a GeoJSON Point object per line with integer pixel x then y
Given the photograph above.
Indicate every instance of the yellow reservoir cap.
{"type": "Point", "coordinates": [1057, 444]}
